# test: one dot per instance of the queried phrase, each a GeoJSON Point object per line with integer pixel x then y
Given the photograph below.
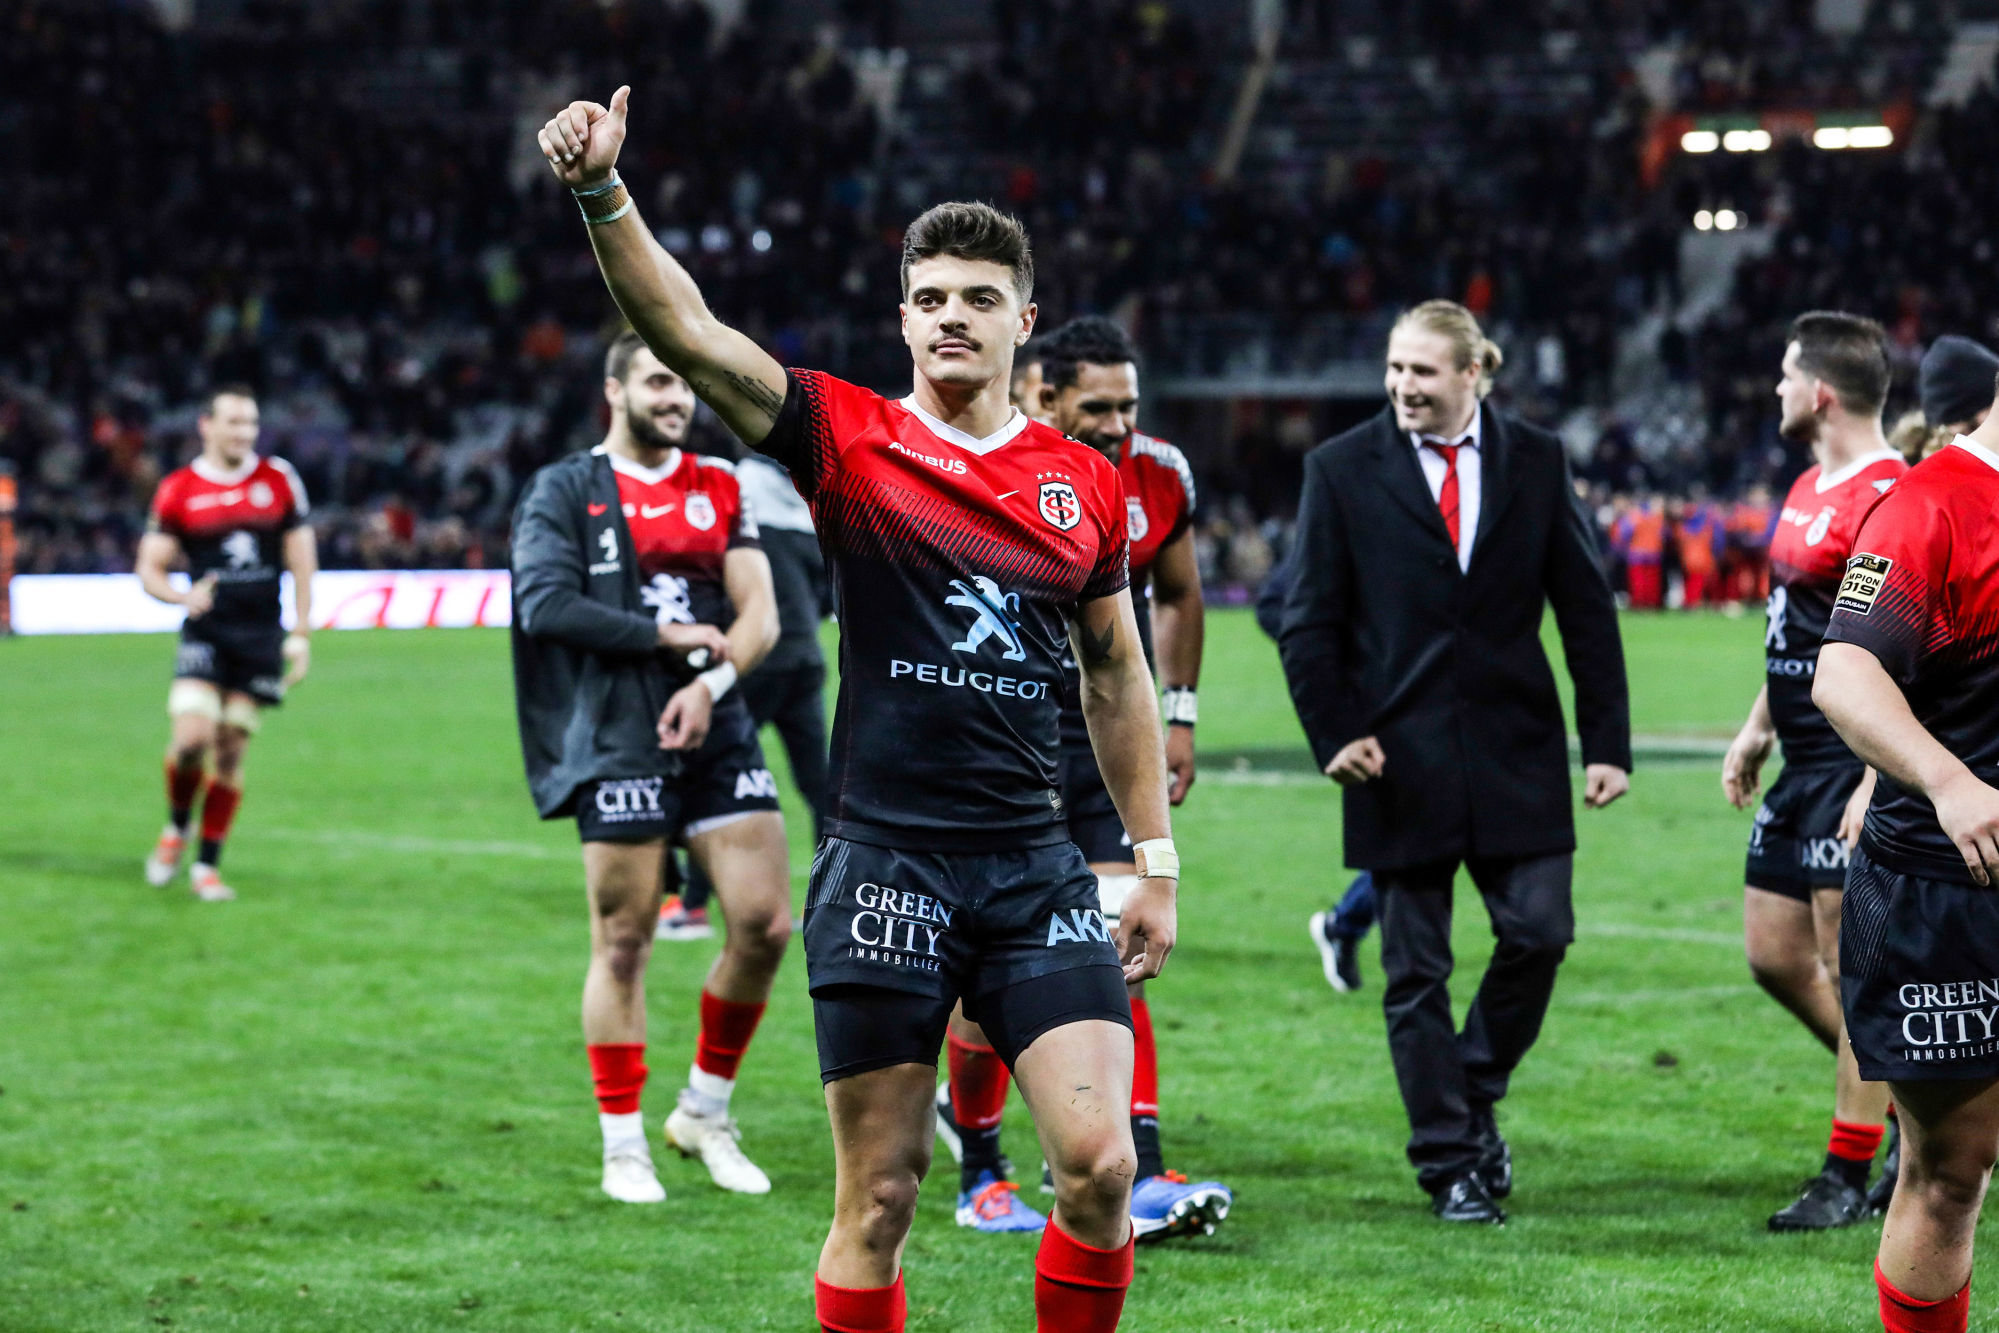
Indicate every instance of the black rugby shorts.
{"type": "Point", "coordinates": [1794, 846]}
{"type": "Point", "coordinates": [893, 938]}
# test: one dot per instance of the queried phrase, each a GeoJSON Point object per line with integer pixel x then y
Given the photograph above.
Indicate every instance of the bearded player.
{"type": "Point", "coordinates": [629, 563]}
{"type": "Point", "coordinates": [1089, 391]}
{"type": "Point", "coordinates": [968, 545]}
{"type": "Point", "coordinates": [238, 522]}
{"type": "Point", "coordinates": [1834, 384]}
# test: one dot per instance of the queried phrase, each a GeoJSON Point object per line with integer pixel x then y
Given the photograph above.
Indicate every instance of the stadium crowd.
{"type": "Point", "coordinates": [413, 311]}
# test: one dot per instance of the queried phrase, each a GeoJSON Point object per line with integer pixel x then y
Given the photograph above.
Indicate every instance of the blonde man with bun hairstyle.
{"type": "Point", "coordinates": [1430, 540]}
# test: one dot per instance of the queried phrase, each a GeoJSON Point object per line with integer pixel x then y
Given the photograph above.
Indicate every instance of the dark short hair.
{"type": "Point", "coordinates": [618, 356]}
{"type": "Point", "coordinates": [1848, 352]}
{"type": "Point", "coordinates": [233, 389]}
{"type": "Point", "coordinates": [1092, 340]}
{"type": "Point", "coordinates": [970, 231]}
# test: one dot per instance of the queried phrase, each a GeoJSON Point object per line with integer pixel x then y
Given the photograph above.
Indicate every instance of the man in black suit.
{"type": "Point", "coordinates": [1429, 541]}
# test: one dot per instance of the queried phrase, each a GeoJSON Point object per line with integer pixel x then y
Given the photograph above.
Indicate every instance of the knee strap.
{"type": "Point", "coordinates": [243, 714]}
{"type": "Point", "coordinates": [194, 698]}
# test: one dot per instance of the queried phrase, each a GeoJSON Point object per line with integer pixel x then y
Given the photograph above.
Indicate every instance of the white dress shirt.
{"type": "Point", "coordinates": [1435, 469]}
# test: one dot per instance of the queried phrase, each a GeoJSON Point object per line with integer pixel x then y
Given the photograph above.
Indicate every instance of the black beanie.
{"type": "Point", "coordinates": [1957, 380]}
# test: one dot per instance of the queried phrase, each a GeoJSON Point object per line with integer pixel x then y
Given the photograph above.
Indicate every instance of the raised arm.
{"type": "Point", "coordinates": [1179, 628]}
{"type": "Point", "coordinates": [1123, 717]}
{"type": "Point", "coordinates": [730, 373]}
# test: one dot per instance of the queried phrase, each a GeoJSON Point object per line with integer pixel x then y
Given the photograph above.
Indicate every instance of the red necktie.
{"type": "Point", "coordinates": [1447, 499]}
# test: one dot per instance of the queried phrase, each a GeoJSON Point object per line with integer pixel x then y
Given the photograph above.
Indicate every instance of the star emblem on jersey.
{"type": "Point", "coordinates": [1060, 506]}
{"type": "Point", "coordinates": [990, 607]}
{"type": "Point", "coordinates": [700, 511]}
{"type": "Point", "coordinates": [1135, 522]}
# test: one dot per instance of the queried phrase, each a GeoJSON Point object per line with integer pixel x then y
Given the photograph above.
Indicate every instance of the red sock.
{"type": "Point", "coordinates": [618, 1068]}
{"type": "Point", "coordinates": [183, 785]}
{"type": "Point", "coordinates": [1144, 1061]}
{"type": "Point", "coordinates": [1078, 1288]}
{"type": "Point", "coordinates": [1854, 1143]}
{"type": "Point", "coordinates": [859, 1309]}
{"type": "Point", "coordinates": [218, 810]}
{"type": "Point", "coordinates": [1906, 1314]}
{"type": "Point", "coordinates": [978, 1083]}
{"type": "Point", "coordinates": [726, 1029]}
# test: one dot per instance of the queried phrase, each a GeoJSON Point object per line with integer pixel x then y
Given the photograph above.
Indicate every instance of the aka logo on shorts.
{"type": "Point", "coordinates": [1824, 853]}
{"type": "Point", "coordinates": [755, 782]}
{"type": "Point", "coordinates": [1082, 926]}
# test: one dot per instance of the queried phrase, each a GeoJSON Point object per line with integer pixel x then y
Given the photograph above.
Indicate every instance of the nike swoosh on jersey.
{"type": "Point", "coordinates": [596, 509]}
{"type": "Point", "coordinates": [648, 511]}
{"type": "Point", "coordinates": [1008, 496]}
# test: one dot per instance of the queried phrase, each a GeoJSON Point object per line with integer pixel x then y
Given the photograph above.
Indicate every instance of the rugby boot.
{"type": "Point", "coordinates": [1825, 1202]}
{"type": "Point", "coordinates": [1339, 957]}
{"type": "Point", "coordinates": [993, 1204]}
{"type": "Point", "coordinates": [1883, 1192]}
{"type": "Point", "coordinates": [630, 1178]}
{"type": "Point", "coordinates": [717, 1141]}
{"type": "Point", "coordinates": [164, 863]}
{"type": "Point", "coordinates": [1166, 1206]}
{"type": "Point", "coordinates": [1466, 1199]}
{"type": "Point", "coordinates": [205, 882]}
{"type": "Point", "coordinates": [677, 921]}
{"type": "Point", "coordinates": [1495, 1158]}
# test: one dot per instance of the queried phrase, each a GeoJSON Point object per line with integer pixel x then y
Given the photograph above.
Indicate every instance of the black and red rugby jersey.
{"type": "Point", "coordinates": [1159, 507]}
{"type": "Point", "coordinates": [1922, 594]}
{"type": "Point", "coordinates": [684, 518]}
{"type": "Point", "coordinates": [1808, 554]}
{"type": "Point", "coordinates": [233, 525]}
{"type": "Point", "coordinates": [956, 562]}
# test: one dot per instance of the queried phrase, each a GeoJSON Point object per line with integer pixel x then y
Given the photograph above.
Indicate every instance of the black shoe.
{"type": "Point", "coordinates": [954, 1137]}
{"type": "Point", "coordinates": [1338, 955]}
{"type": "Point", "coordinates": [1827, 1202]}
{"type": "Point", "coordinates": [1883, 1192]}
{"type": "Point", "coordinates": [1495, 1160]}
{"type": "Point", "coordinates": [1466, 1199]}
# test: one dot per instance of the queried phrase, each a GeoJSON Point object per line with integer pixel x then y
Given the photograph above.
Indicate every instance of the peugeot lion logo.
{"type": "Point", "coordinates": [991, 606]}
{"type": "Point", "coordinates": [241, 549]}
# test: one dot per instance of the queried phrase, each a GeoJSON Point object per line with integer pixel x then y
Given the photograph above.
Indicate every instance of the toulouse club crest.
{"type": "Point", "coordinates": [700, 511]}
{"type": "Point", "coordinates": [1060, 506]}
{"type": "Point", "coordinates": [1135, 522]}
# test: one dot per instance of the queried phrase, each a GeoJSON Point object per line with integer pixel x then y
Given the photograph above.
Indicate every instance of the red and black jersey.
{"type": "Point", "coordinates": [233, 525]}
{"type": "Point", "coordinates": [1921, 593]}
{"type": "Point", "coordinates": [1159, 508]}
{"type": "Point", "coordinates": [1808, 552]}
{"type": "Point", "coordinates": [684, 519]}
{"type": "Point", "coordinates": [956, 563]}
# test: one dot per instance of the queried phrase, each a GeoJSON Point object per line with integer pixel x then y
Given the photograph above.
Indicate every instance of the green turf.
{"type": "Point", "coordinates": [355, 1099]}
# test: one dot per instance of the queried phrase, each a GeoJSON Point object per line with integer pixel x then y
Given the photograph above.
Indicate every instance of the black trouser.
{"type": "Point", "coordinates": [1446, 1075]}
{"type": "Point", "coordinates": [793, 699]}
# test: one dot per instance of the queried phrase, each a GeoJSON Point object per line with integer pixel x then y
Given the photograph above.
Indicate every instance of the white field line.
{"type": "Point", "coordinates": [1666, 996]}
{"type": "Point", "coordinates": [1673, 934]}
{"type": "Point", "coordinates": [364, 840]}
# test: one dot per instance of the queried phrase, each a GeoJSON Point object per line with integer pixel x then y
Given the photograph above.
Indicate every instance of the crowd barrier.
{"type": "Point", "coordinates": [341, 599]}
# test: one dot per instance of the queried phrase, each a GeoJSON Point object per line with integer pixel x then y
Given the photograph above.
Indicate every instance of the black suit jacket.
{"type": "Point", "coordinates": [1383, 636]}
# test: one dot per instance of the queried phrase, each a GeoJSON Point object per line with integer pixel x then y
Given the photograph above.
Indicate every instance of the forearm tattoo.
{"type": "Point", "coordinates": [1096, 648]}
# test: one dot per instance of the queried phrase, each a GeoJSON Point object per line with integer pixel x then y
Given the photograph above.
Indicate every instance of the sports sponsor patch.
{"type": "Point", "coordinates": [1864, 576]}
{"type": "Point", "coordinates": [700, 511]}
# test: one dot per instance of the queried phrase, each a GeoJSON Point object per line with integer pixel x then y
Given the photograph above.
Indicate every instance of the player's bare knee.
{"type": "Point", "coordinates": [885, 1208]}
{"type": "Point", "coordinates": [626, 944]}
{"type": "Point", "coordinates": [1095, 1178]}
{"type": "Point", "coordinates": [760, 937]}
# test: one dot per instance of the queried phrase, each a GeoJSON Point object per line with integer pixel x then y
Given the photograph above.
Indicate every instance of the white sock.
{"type": "Point", "coordinates": [623, 1133]}
{"type": "Point", "coordinates": [708, 1094]}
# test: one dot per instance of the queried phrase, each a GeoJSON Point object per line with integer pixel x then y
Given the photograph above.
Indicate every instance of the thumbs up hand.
{"type": "Point", "coordinates": [582, 140]}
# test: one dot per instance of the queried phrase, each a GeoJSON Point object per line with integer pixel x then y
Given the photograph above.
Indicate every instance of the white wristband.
{"type": "Point", "coordinates": [1179, 706]}
{"type": "Point", "coordinates": [719, 680]}
{"type": "Point", "coordinates": [1157, 859]}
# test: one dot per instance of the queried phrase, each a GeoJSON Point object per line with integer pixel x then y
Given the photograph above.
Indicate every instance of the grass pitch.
{"type": "Point", "coordinates": [356, 1098]}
